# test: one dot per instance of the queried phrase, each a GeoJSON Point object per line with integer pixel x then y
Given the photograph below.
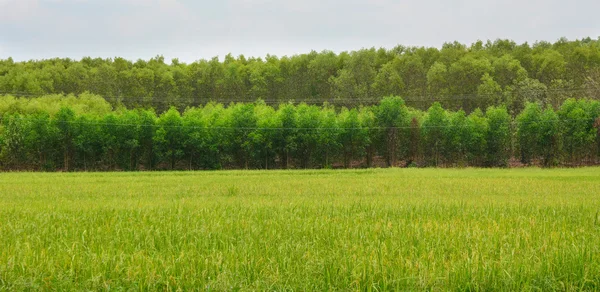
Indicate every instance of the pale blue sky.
{"type": "Point", "coordinates": [191, 30]}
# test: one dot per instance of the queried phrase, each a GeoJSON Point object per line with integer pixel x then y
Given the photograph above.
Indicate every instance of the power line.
{"type": "Point", "coordinates": [274, 128]}
{"type": "Point", "coordinates": [162, 99]}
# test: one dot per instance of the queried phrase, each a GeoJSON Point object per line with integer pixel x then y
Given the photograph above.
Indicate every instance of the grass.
{"type": "Point", "coordinates": [380, 229]}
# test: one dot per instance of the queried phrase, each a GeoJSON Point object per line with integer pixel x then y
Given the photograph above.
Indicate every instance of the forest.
{"type": "Point", "coordinates": [86, 133]}
{"type": "Point", "coordinates": [492, 104]}
{"type": "Point", "coordinates": [458, 76]}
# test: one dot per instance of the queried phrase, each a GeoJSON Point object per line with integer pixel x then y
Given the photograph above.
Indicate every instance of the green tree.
{"type": "Point", "coordinates": [528, 132]}
{"type": "Point", "coordinates": [286, 142]}
{"type": "Point", "coordinates": [465, 77]}
{"type": "Point", "coordinates": [489, 92]}
{"type": "Point", "coordinates": [455, 138]}
{"type": "Point", "coordinates": [549, 65]}
{"type": "Point", "coordinates": [388, 81]}
{"type": "Point", "coordinates": [508, 71]}
{"type": "Point", "coordinates": [433, 131]}
{"type": "Point", "coordinates": [353, 136]}
{"type": "Point", "coordinates": [476, 138]}
{"type": "Point", "coordinates": [328, 135]}
{"type": "Point", "coordinates": [263, 139]}
{"type": "Point", "coordinates": [14, 151]}
{"type": "Point", "coordinates": [200, 145]}
{"type": "Point", "coordinates": [355, 79]}
{"type": "Point", "coordinates": [42, 141]}
{"type": "Point", "coordinates": [437, 80]}
{"type": "Point", "coordinates": [578, 132]}
{"type": "Point", "coordinates": [169, 137]}
{"type": "Point", "coordinates": [92, 142]}
{"type": "Point", "coordinates": [242, 123]}
{"type": "Point", "coordinates": [498, 139]}
{"type": "Point", "coordinates": [526, 91]}
{"type": "Point", "coordinates": [369, 123]}
{"type": "Point", "coordinates": [146, 138]}
{"type": "Point", "coordinates": [128, 139]}
{"type": "Point", "coordinates": [392, 119]}
{"type": "Point", "coordinates": [65, 122]}
{"type": "Point", "coordinates": [549, 137]}
{"type": "Point", "coordinates": [307, 137]}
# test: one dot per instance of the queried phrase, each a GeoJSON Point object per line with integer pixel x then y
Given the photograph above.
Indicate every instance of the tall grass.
{"type": "Point", "coordinates": [392, 229]}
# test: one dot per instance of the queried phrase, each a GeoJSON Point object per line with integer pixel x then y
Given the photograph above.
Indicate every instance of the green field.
{"type": "Point", "coordinates": [379, 229]}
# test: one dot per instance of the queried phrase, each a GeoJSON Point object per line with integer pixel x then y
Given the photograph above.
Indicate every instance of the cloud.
{"type": "Point", "coordinates": [148, 18]}
{"type": "Point", "coordinates": [202, 28]}
{"type": "Point", "coordinates": [18, 10]}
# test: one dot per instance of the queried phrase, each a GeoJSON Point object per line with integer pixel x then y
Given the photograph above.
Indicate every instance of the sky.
{"type": "Point", "coordinates": [196, 29]}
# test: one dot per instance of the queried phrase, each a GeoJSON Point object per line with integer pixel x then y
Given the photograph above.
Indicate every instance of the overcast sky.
{"type": "Point", "coordinates": [197, 29]}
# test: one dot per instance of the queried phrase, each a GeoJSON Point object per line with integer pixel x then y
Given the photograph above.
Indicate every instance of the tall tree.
{"type": "Point", "coordinates": [392, 119]}
{"type": "Point", "coordinates": [498, 139]}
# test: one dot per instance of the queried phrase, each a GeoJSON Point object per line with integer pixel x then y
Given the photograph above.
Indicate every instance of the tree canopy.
{"type": "Point", "coordinates": [86, 133]}
{"type": "Point", "coordinates": [494, 73]}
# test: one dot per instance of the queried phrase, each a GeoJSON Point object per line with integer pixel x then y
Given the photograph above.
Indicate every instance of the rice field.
{"type": "Point", "coordinates": [371, 230]}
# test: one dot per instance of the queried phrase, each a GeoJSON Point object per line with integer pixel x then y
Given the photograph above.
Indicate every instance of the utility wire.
{"type": "Point", "coordinates": [274, 128]}
{"type": "Point", "coordinates": [162, 99]}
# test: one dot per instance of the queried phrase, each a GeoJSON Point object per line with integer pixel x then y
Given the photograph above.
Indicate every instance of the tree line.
{"type": "Point", "coordinates": [85, 133]}
{"type": "Point", "coordinates": [492, 73]}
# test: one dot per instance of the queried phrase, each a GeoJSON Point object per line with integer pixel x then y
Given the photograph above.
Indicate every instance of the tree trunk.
{"type": "Point", "coordinates": [66, 160]}
{"type": "Point", "coordinates": [369, 156]}
{"type": "Point", "coordinates": [287, 159]}
{"type": "Point", "coordinates": [172, 161]}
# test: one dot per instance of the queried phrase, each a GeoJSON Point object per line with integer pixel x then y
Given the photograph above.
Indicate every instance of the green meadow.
{"type": "Point", "coordinates": [370, 230]}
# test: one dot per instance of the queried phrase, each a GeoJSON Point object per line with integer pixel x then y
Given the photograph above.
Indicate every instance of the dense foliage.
{"type": "Point", "coordinates": [498, 73]}
{"type": "Point", "coordinates": [85, 133]}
